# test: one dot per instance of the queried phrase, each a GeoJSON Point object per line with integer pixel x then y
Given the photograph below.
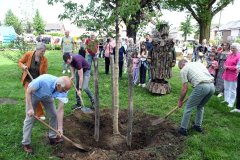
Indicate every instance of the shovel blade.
{"type": "Point", "coordinates": [86, 110]}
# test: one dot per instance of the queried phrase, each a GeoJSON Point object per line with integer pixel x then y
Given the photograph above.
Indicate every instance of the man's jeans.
{"type": "Point", "coordinates": [198, 98]}
{"type": "Point", "coordinates": [90, 59]}
{"type": "Point", "coordinates": [86, 78]}
{"type": "Point", "coordinates": [49, 106]}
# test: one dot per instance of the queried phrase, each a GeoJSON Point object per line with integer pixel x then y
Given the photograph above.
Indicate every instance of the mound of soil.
{"type": "Point", "coordinates": [148, 142]}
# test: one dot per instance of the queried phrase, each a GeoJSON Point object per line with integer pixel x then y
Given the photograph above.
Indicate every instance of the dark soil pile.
{"type": "Point", "coordinates": [148, 142]}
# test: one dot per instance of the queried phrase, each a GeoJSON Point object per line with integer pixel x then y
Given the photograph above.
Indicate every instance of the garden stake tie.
{"type": "Point", "coordinates": [61, 135]}
{"type": "Point", "coordinates": [159, 120]}
{"type": "Point", "coordinates": [79, 146]}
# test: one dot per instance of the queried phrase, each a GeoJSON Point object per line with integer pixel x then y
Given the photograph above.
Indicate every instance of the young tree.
{"type": "Point", "coordinates": [186, 27]}
{"type": "Point", "coordinates": [38, 23]}
{"type": "Point", "coordinates": [202, 11]}
{"type": "Point", "coordinates": [102, 15]}
{"type": "Point", "coordinates": [12, 20]}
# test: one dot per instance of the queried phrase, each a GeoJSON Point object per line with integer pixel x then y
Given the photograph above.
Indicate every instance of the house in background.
{"type": "Point", "coordinates": [54, 27]}
{"type": "Point", "coordinates": [7, 34]}
{"type": "Point", "coordinates": [229, 31]}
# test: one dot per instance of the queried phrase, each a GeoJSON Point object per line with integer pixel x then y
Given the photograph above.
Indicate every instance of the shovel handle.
{"type": "Point", "coordinates": [47, 125]}
{"type": "Point", "coordinates": [174, 109]}
{"type": "Point", "coordinates": [77, 91]}
{"type": "Point", "coordinates": [29, 74]}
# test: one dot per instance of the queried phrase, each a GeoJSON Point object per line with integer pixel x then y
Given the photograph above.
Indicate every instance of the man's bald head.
{"type": "Point", "coordinates": [65, 82]}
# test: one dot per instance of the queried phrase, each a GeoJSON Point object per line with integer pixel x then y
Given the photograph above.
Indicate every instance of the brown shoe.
{"type": "Point", "coordinates": [55, 141]}
{"type": "Point", "coordinates": [27, 148]}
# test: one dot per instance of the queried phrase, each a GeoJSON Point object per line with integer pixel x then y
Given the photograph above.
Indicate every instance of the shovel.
{"type": "Point", "coordinates": [79, 146]}
{"type": "Point", "coordinates": [159, 120]}
{"type": "Point", "coordinates": [84, 109]}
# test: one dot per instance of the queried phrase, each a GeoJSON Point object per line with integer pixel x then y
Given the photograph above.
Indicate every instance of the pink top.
{"type": "Point", "coordinates": [108, 48]}
{"type": "Point", "coordinates": [230, 73]}
{"type": "Point", "coordinates": [135, 62]}
{"type": "Point", "coordinates": [213, 67]}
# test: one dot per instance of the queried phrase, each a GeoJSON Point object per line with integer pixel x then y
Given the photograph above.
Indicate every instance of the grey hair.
{"type": "Point", "coordinates": [61, 82]}
{"type": "Point", "coordinates": [40, 46]}
{"type": "Point", "coordinates": [236, 45]}
{"type": "Point", "coordinates": [181, 62]}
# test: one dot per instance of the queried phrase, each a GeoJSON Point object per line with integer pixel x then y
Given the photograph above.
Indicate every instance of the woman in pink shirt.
{"type": "Point", "coordinates": [230, 75]}
{"type": "Point", "coordinates": [108, 49]}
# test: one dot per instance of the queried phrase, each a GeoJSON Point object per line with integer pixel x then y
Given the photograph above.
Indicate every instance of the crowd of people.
{"type": "Point", "coordinates": [220, 74]}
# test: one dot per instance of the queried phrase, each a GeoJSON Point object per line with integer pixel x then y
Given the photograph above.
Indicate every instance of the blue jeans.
{"type": "Point", "coordinates": [90, 59]}
{"type": "Point", "coordinates": [198, 98]}
{"type": "Point", "coordinates": [86, 78]}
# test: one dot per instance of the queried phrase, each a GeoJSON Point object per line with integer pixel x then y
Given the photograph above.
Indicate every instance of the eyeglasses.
{"type": "Point", "coordinates": [64, 89]}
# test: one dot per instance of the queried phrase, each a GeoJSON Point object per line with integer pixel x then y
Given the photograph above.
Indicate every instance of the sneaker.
{"type": "Point", "coordinates": [182, 131]}
{"type": "Point", "coordinates": [68, 71]}
{"type": "Point", "coordinates": [235, 110]}
{"type": "Point", "coordinates": [230, 105]}
{"type": "Point", "coordinates": [143, 85]}
{"type": "Point", "coordinates": [197, 128]}
{"type": "Point", "coordinates": [220, 95]}
{"type": "Point", "coordinates": [64, 71]}
{"type": "Point", "coordinates": [139, 84]}
{"type": "Point", "coordinates": [27, 148]}
{"type": "Point", "coordinates": [76, 106]}
{"type": "Point", "coordinates": [42, 118]}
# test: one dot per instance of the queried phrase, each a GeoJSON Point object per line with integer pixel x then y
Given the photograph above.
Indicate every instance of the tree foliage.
{"type": "Point", "coordinates": [12, 20]}
{"type": "Point", "coordinates": [202, 11]}
{"type": "Point", "coordinates": [186, 27]}
{"type": "Point", "coordinates": [38, 23]}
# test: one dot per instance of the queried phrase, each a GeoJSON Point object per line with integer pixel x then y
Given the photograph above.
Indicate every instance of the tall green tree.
{"type": "Point", "coordinates": [202, 11]}
{"type": "Point", "coordinates": [38, 23]}
{"type": "Point", "coordinates": [12, 20]}
{"type": "Point", "coordinates": [186, 27]}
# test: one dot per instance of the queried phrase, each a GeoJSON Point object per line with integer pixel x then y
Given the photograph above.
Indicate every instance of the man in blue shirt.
{"type": "Point", "coordinates": [44, 89]}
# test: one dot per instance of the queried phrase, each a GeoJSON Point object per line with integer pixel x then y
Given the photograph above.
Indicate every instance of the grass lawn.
{"type": "Point", "coordinates": [221, 140]}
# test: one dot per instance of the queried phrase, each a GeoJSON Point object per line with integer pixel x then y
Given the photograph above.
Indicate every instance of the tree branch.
{"type": "Point", "coordinates": [193, 13]}
{"type": "Point", "coordinates": [211, 3]}
{"type": "Point", "coordinates": [219, 8]}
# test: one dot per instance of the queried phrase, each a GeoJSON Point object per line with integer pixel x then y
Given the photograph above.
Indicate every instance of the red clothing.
{"type": "Point", "coordinates": [213, 67]}
{"type": "Point", "coordinates": [91, 46]}
{"type": "Point", "coordinates": [230, 73]}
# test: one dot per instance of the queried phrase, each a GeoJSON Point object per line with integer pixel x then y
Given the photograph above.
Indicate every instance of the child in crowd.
{"type": "Point", "coordinates": [212, 65]}
{"type": "Point", "coordinates": [143, 64]}
{"type": "Point", "coordinates": [135, 61]}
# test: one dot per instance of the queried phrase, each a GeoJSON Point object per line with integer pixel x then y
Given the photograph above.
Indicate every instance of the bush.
{"type": "Point", "coordinates": [53, 47]}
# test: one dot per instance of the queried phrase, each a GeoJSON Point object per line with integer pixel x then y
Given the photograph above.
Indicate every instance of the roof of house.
{"type": "Point", "coordinates": [230, 25]}
{"type": "Point", "coordinates": [54, 26]}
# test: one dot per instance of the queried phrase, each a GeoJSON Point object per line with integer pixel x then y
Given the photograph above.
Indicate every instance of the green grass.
{"type": "Point", "coordinates": [221, 140]}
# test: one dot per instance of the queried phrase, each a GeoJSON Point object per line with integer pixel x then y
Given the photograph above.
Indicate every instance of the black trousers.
{"type": "Point", "coordinates": [142, 74]}
{"type": "Point", "coordinates": [238, 92]}
{"type": "Point", "coordinates": [107, 63]}
{"type": "Point", "coordinates": [120, 68]}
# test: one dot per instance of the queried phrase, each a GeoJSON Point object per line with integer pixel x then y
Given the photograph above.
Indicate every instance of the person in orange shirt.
{"type": "Point", "coordinates": [36, 63]}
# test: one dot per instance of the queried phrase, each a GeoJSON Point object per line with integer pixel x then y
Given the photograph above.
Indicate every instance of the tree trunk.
{"type": "Point", "coordinates": [113, 82]}
{"type": "Point", "coordinates": [131, 32]}
{"type": "Point", "coordinates": [130, 102]}
{"type": "Point", "coordinates": [96, 104]}
{"type": "Point", "coordinates": [132, 25]}
{"type": "Point", "coordinates": [204, 30]}
{"type": "Point", "coordinates": [116, 77]}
